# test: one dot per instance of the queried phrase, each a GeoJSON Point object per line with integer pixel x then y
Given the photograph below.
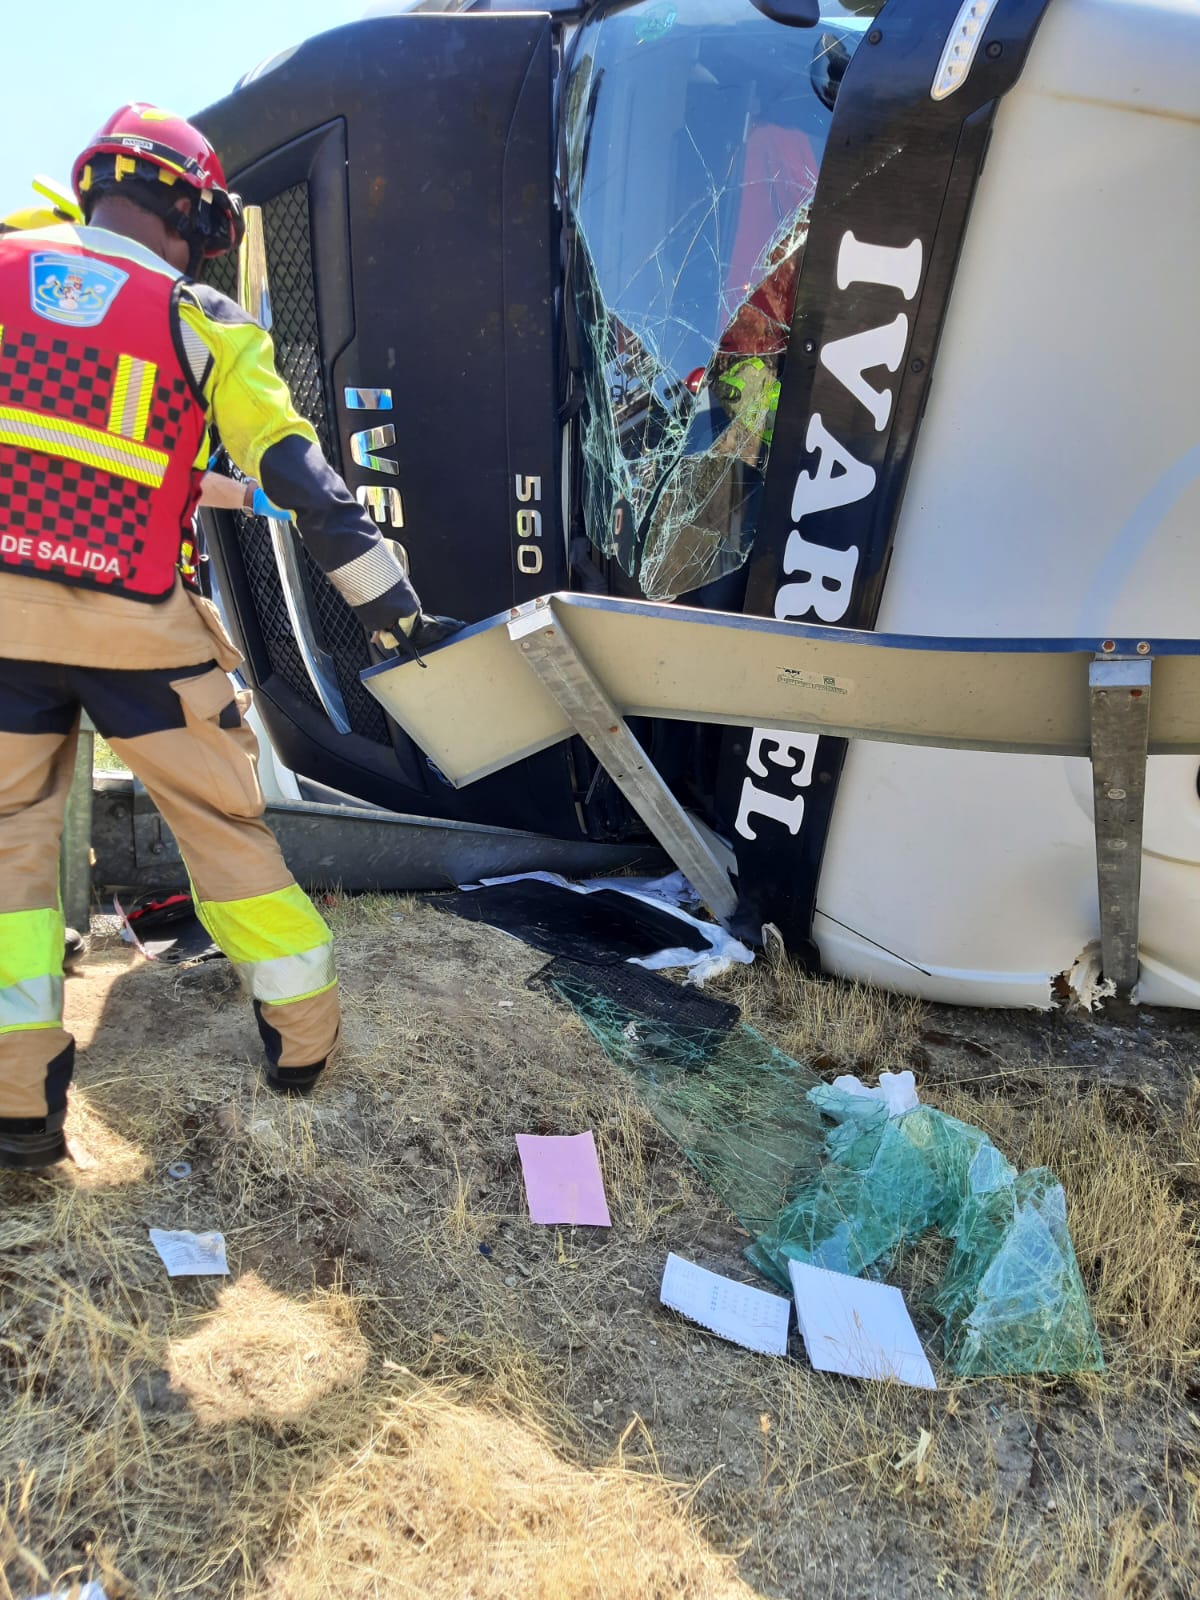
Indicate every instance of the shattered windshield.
{"type": "Point", "coordinates": [694, 135]}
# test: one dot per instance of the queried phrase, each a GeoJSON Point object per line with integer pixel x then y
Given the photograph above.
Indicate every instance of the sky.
{"type": "Point", "coordinates": [69, 64]}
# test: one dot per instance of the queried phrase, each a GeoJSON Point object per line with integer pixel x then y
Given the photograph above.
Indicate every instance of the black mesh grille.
{"type": "Point", "coordinates": [298, 358]}
{"type": "Point", "coordinates": [254, 537]}
{"type": "Point", "coordinates": [294, 307]}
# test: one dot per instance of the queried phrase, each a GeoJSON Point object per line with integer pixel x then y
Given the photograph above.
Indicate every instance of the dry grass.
{"type": "Point", "coordinates": [405, 1389]}
{"type": "Point", "coordinates": [847, 1027]}
{"type": "Point", "coordinates": [217, 1438]}
{"type": "Point", "coordinates": [450, 1498]}
{"type": "Point", "coordinates": [264, 1356]}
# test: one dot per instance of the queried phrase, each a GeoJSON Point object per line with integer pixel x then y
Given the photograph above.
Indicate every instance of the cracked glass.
{"type": "Point", "coordinates": [694, 131]}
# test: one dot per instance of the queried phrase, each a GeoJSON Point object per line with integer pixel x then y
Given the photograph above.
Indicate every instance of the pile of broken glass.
{"type": "Point", "coordinates": [1011, 1297]}
{"type": "Point", "coordinates": [836, 1179]}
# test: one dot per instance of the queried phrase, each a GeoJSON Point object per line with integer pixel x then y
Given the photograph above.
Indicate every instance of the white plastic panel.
{"type": "Point", "coordinates": [1055, 492]}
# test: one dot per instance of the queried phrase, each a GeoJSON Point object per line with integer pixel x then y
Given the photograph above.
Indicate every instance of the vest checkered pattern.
{"type": "Point", "coordinates": [99, 424]}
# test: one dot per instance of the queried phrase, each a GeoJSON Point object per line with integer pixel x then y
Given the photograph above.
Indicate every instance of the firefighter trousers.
{"type": "Point", "coordinates": [182, 732]}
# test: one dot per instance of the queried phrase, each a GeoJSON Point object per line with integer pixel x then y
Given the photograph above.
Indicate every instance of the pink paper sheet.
{"type": "Point", "coordinates": [562, 1179]}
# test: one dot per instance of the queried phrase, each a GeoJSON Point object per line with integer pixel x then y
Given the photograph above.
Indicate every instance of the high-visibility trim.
{"type": "Point", "coordinates": [199, 356]}
{"type": "Point", "coordinates": [31, 945]}
{"type": "Point", "coordinates": [145, 395]}
{"type": "Point", "coordinates": [116, 411]}
{"type": "Point", "coordinates": [368, 577]}
{"type": "Point", "coordinates": [264, 926]}
{"type": "Point", "coordinates": [133, 391]}
{"type": "Point", "coordinates": [290, 978]}
{"type": "Point", "coordinates": [279, 943]}
{"type": "Point", "coordinates": [32, 430]}
{"type": "Point", "coordinates": [33, 1003]}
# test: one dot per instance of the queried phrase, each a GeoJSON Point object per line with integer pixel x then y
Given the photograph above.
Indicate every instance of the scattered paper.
{"type": "Point", "coordinates": [562, 1179]}
{"type": "Point", "coordinates": [856, 1327]}
{"type": "Point", "coordinates": [897, 1089]}
{"type": "Point", "coordinates": [190, 1255]}
{"type": "Point", "coordinates": [736, 1311]}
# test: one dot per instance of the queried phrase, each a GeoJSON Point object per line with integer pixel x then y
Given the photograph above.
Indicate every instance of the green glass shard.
{"type": "Point", "coordinates": [736, 1106]}
{"type": "Point", "coordinates": [1011, 1296]}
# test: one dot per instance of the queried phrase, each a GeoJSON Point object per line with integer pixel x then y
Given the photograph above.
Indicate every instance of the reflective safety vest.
{"type": "Point", "coordinates": [751, 391]}
{"type": "Point", "coordinates": [100, 425]}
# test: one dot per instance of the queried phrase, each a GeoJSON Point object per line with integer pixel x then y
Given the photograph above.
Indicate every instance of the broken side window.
{"type": "Point", "coordinates": [694, 135]}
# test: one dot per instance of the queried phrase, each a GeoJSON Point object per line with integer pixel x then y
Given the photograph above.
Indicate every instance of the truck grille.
{"type": "Point", "coordinates": [298, 359]}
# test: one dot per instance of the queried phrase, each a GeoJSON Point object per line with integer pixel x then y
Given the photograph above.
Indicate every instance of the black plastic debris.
{"type": "Point", "coordinates": [643, 994]}
{"type": "Point", "coordinates": [600, 928]}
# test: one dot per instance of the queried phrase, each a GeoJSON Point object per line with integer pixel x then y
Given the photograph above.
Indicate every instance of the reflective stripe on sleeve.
{"type": "Point", "coordinates": [35, 1003]}
{"type": "Point", "coordinates": [368, 576]}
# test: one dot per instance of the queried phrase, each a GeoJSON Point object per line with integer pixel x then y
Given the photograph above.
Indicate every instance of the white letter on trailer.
{"type": "Point", "coordinates": [824, 490]}
{"type": "Point", "coordinates": [849, 358]}
{"type": "Point", "coordinates": [762, 803]}
{"type": "Point", "coordinates": [826, 581]}
{"type": "Point", "coordinates": [780, 748]}
{"type": "Point", "coordinates": [879, 263]}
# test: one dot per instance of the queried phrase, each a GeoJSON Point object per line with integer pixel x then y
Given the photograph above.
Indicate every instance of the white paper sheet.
{"type": "Point", "coordinates": [89, 1591]}
{"type": "Point", "coordinates": [190, 1255]}
{"type": "Point", "coordinates": [856, 1327]}
{"type": "Point", "coordinates": [743, 1315]}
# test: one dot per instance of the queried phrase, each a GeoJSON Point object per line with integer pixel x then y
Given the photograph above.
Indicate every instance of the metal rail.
{"type": "Point", "coordinates": [522, 681]}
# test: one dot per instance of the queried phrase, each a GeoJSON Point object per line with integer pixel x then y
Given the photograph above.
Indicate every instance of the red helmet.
{"type": "Point", "coordinates": [140, 141]}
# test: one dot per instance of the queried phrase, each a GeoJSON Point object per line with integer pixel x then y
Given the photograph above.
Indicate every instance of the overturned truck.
{"type": "Point", "coordinates": [874, 316]}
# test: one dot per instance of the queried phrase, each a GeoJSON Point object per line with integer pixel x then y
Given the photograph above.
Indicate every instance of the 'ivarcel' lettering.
{"type": "Point", "coordinates": [822, 576]}
{"type": "Point", "coordinates": [794, 753]}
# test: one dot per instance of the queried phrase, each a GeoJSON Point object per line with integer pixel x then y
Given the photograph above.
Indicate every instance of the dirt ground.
{"type": "Point", "coordinates": [404, 1388]}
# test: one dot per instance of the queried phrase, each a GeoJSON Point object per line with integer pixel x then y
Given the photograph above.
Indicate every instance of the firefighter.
{"type": "Point", "coordinates": [113, 364]}
{"type": "Point", "coordinates": [217, 490]}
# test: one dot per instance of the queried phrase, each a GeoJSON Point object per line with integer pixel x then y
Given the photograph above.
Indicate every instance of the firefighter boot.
{"type": "Point", "coordinates": [30, 1143]}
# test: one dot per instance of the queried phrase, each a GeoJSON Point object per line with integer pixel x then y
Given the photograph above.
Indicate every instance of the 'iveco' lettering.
{"type": "Point", "coordinates": [819, 576]}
